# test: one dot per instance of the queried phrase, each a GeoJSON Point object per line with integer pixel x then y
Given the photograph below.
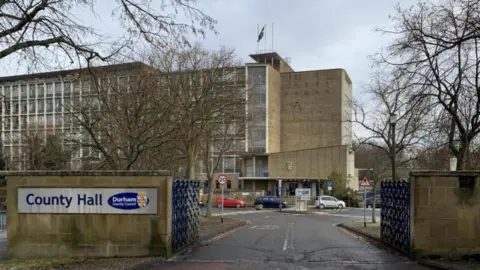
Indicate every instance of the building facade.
{"type": "Point", "coordinates": [299, 129]}
{"type": "Point", "coordinates": [44, 103]}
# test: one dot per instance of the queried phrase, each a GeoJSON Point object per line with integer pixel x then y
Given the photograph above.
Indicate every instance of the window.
{"type": "Point", "coordinates": [58, 120]}
{"type": "Point", "coordinates": [15, 122]}
{"type": "Point", "coordinates": [16, 107]}
{"type": "Point", "coordinates": [14, 92]}
{"type": "Point", "coordinates": [41, 106]}
{"type": "Point", "coordinates": [31, 106]}
{"type": "Point", "coordinates": [67, 119]}
{"type": "Point", "coordinates": [7, 92]}
{"type": "Point", "coordinates": [229, 164]}
{"type": "Point", "coordinates": [85, 87]}
{"type": "Point", "coordinates": [66, 89]}
{"type": "Point", "coordinates": [23, 105]}
{"type": "Point", "coordinates": [49, 105]}
{"type": "Point", "coordinates": [58, 89]}
{"type": "Point", "coordinates": [49, 90]}
{"type": "Point", "coordinates": [23, 122]}
{"type": "Point", "coordinates": [49, 120]}
{"type": "Point", "coordinates": [41, 121]}
{"type": "Point", "coordinates": [58, 105]}
{"type": "Point", "coordinates": [76, 88]}
{"type": "Point", "coordinates": [7, 122]}
{"type": "Point", "coordinates": [31, 91]}
{"type": "Point", "coordinates": [238, 165]}
{"type": "Point", "coordinates": [40, 90]}
{"type": "Point", "coordinates": [32, 120]}
{"type": "Point", "coordinates": [23, 92]}
{"type": "Point", "coordinates": [7, 107]}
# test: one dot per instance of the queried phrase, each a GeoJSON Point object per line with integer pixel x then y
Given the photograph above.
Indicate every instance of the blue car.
{"type": "Point", "coordinates": [269, 202]}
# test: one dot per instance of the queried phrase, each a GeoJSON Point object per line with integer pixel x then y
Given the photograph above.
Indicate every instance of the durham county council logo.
{"type": "Point", "coordinates": [142, 199]}
{"type": "Point", "coordinates": [129, 200]}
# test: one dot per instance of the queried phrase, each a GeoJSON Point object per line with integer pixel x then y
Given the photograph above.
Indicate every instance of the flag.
{"type": "Point", "coordinates": [260, 35]}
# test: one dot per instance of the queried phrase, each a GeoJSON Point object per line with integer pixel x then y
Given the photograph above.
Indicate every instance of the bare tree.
{"type": "Point", "coordinates": [377, 162]}
{"type": "Point", "coordinates": [374, 120]}
{"type": "Point", "coordinates": [124, 120]}
{"type": "Point", "coordinates": [220, 139]}
{"type": "Point", "coordinates": [44, 152]}
{"type": "Point", "coordinates": [437, 45]}
{"type": "Point", "coordinates": [42, 31]}
{"type": "Point", "coordinates": [203, 91]}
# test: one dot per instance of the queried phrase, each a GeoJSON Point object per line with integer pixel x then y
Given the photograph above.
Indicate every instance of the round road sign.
{"type": "Point", "coordinates": [222, 179]}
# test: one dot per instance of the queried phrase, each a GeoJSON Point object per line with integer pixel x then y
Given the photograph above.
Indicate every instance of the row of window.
{"type": "Point", "coordinates": [47, 105]}
{"type": "Point", "coordinates": [230, 164]}
{"type": "Point", "coordinates": [36, 121]}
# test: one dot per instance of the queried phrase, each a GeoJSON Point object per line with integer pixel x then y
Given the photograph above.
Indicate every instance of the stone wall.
{"type": "Point", "coordinates": [311, 109]}
{"type": "Point", "coordinates": [311, 163]}
{"type": "Point", "coordinates": [445, 218]}
{"type": "Point", "coordinates": [90, 235]}
{"type": "Point", "coordinates": [273, 110]}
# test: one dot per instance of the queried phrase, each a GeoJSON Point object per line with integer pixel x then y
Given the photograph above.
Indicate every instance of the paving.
{"type": "Point", "coordinates": [275, 240]}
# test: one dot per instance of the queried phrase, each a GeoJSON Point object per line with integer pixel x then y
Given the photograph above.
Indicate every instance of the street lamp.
{"type": "Point", "coordinates": [393, 122]}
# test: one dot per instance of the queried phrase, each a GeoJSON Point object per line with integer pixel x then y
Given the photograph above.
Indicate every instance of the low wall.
{"type": "Point", "coordinates": [95, 213]}
{"type": "Point", "coordinates": [445, 217]}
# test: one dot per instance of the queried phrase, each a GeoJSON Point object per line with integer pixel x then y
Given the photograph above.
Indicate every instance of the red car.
{"type": "Point", "coordinates": [230, 202]}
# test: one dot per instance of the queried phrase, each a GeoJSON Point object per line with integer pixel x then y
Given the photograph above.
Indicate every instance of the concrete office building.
{"type": "Point", "coordinates": [36, 103]}
{"type": "Point", "coordinates": [299, 130]}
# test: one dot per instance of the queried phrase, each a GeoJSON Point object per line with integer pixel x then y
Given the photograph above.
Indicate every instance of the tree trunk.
{"type": "Point", "coordinates": [191, 163]}
{"type": "Point", "coordinates": [374, 200]}
{"type": "Point", "coordinates": [211, 185]}
{"type": "Point", "coordinates": [462, 156]}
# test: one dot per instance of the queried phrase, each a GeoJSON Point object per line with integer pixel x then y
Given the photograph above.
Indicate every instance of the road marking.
{"type": "Point", "coordinates": [290, 231]}
{"type": "Point", "coordinates": [241, 212]}
{"type": "Point", "coordinates": [286, 241]}
{"type": "Point", "coordinates": [265, 227]}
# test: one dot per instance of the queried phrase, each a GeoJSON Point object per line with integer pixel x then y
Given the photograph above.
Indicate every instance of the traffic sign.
{"type": "Point", "coordinates": [222, 179]}
{"type": "Point", "coordinates": [365, 182]}
{"type": "Point", "coordinates": [329, 184]}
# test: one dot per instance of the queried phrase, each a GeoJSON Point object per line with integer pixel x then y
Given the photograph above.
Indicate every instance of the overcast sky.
{"type": "Point", "coordinates": [314, 34]}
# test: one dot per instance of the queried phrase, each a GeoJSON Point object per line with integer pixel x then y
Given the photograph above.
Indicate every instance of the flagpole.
{"type": "Point", "coordinates": [258, 33]}
{"type": "Point", "coordinates": [265, 38]}
{"type": "Point", "coordinates": [272, 37]}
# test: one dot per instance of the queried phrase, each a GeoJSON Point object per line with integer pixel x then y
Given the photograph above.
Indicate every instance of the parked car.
{"type": "Point", "coordinates": [201, 204]}
{"type": "Point", "coordinates": [323, 202]}
{"type": "Point", "coordinates": [269, 202]}
{"type": "Point", "coordinates": [230, 202]}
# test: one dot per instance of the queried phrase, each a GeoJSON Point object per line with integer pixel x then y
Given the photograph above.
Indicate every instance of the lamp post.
{"type": "Point", "coordinates": [393, 122]}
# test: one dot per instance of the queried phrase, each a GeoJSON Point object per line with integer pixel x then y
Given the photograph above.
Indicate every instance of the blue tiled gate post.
{"type": "Point", "coordinates": [395, 214]}
{"type": "Point", "coordinates": [185, 213]}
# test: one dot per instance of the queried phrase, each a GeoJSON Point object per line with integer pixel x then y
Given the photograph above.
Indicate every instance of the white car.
{"type": "Point", "coordinates": [329, 202]}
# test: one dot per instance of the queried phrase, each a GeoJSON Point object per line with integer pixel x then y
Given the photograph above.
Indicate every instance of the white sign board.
{"type": "Point", "coordinates": [303, 194]}
{"type": "Point", "coordinates": [129, 201]}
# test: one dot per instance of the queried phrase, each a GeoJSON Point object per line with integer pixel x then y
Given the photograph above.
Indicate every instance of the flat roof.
{"type": "Point", "coordinates": [268, 57]}
{"type": "Point", "coordinates": [66, 72]}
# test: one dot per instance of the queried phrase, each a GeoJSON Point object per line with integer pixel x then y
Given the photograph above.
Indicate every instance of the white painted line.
{"type": "Point", "coordinates": [286, 241]}
{"type": "Point", "coordinates": [291, 232]}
